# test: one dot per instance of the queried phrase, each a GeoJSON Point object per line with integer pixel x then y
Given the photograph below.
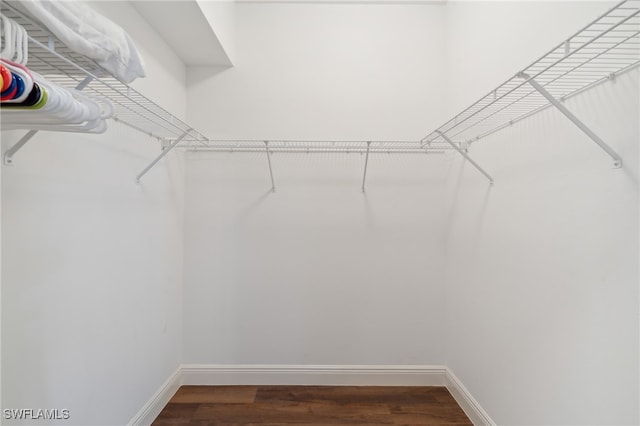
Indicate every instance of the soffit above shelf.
{"type": "Point", "coordinates": [183, 24]}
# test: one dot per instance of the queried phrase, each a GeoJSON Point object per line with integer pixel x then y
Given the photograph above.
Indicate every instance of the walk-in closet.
{"type": "Point", "coordinates": [435, 201]}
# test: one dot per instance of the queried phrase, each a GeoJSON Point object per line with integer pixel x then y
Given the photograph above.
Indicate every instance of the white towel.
{"type": "Point", "coordinates": [91, 34]}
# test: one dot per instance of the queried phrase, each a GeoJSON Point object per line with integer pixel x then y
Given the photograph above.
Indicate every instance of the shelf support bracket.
{"type": "Point", "coordinates": [617, 160]}
{"type": "Point", "coordinates": [164, 152]}
{"type": "Point", "coordinates": [464, 154]}
{"type": "Point", "coordinates": [8, 155]}
{"type": "Point", "coordinates": [366, 161]}
{"type": "Point", "coordinates": [266, 147]}
{"type": "Point", "coordinates": [84, 82]}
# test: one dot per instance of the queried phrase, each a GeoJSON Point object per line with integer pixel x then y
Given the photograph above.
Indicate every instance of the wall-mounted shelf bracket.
{"type": "Point", "coordinates": [266, 147]}
{"type": "Point", "coordinates": [617, 160]}
{"type": "Point", "coordinates": [598, 53]}
{"type": "Point", "coordinates": [164, 152]}
{"type": "Point", "coordinates": [8, 156]}
{"type": "Point", "coordinates": [464, 154]}
{"type": "Point", "coordinates": [366, 162]}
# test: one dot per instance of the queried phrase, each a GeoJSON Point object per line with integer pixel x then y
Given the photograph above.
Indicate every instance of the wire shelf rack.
{"type": "Point", "coordinates": [316, 146]}
{"type": "Point", "coordinates": [49, 57]}
{"type": "Point", "coordinates": [602, 50]}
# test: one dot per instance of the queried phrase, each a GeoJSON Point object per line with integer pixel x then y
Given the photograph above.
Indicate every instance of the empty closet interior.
{"type": "Point", "coordinates": [319, 192]}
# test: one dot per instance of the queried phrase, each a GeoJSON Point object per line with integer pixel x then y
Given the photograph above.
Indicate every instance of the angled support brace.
{"type": "Point", "coordinates": [366, 161]}
{"type": "Point", "coordinates": [84, 82]}
{"type": "Point", "coordinates": [266, 147]}
{"type": "Point", "coordinates": [464, 154]}
{"type": "Point", "coordinates": [8, 155]}
{"type": "Point", "coordinates": [617, 160]}
{"type": "Point", "coordinates": [164, 152]}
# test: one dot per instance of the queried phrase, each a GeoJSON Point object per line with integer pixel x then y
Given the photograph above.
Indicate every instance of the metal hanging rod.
{"type": "Point", "coordinates": [51, 58]}
{"type": "Point", "coordinates": [8, 155]}
{"type": "Point", "coordinates": [315, 146]}
{"type": "Point", "coordinates": [602, 50]}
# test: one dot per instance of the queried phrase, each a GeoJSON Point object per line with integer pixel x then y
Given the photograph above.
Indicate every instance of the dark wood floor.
{"type": "Point", "coordinates": [311, 405]}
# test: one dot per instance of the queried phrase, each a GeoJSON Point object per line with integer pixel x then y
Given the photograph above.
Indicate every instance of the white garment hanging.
{"type": "Point", "coordinates": [87, 32]}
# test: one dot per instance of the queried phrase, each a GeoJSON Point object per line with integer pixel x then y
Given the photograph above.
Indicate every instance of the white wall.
{"type": "Point", "coordinates": [326, 71]}
{"type": "Point", "coordinates": [542, 277]}
{"type": "Point", "coordinates": [539, 273]}
{"type": "Point", "coordinates": [91, 283]}
{"type": "Point", "coordinates": [317, 272]}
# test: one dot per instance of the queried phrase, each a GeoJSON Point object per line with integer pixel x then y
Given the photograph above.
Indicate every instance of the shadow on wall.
{"type": "Point", "coordinates": [369, 219]}
{"type": "Point", "coordinates": [454, 206]}
{"type": "Point", "coordinates": [245, 212]}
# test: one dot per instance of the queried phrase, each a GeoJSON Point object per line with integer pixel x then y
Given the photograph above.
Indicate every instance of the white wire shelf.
{"type": "Point", "coordinates": [315, 146]}
{"type": "Point", "coordinates": [602, 50]}
{"type": "Point", "coordinates": [51, 58]}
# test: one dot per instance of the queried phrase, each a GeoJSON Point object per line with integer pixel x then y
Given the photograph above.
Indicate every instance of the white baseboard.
{"type": "Point", "coordinates": [157, 402]}
{"type": "Point", "coordinates": [466, 401]}
{"type": "Point", "coordinates": [337, 375]}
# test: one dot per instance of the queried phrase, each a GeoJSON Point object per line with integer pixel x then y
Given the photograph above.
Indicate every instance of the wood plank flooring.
{"type": "Point", "coordinates": [312, 405]}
